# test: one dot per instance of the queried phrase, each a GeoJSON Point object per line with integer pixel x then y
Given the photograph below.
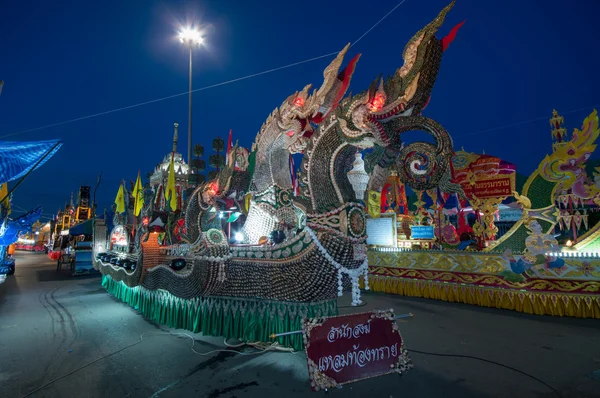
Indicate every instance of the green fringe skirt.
{"type": "Point", "coordinates": [243, 318]}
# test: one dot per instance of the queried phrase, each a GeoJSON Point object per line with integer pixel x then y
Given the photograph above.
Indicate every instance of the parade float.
{"type": "Point", "coordinates": [17, 161]}
{"type": "Point", "coordinates": [547, 263]}
{"type": "Point", "coordinates": [297, 253]}
{"type": "Point", "coordinates": [71, 240]}
{"type": "Point", "coordinates": [299, 249]}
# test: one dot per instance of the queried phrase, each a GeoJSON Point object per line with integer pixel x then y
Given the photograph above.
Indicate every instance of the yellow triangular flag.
{"type": "Point", "coordinates": [171, 192]}
{"type": "Point", "coordinates": [4, 194]}
{"type": "Point", "coordinates": [247, 200]}
{"type": "Point", "coordinates": [138, 196]}
{"type": "Point", "coordinates": [374, 203]}
{"type": "Point", "coordinates": [120, 200]}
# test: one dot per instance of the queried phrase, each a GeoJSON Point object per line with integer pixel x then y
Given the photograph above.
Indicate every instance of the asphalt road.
{"type": "Point", "coordinates": [51, 326]}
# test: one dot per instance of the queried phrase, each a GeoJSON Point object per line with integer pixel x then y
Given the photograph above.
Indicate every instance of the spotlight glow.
{"type": "Point", "coordinates": [190, 35]}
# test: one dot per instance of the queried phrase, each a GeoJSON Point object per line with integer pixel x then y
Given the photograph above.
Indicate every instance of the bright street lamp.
{"type": "Point", "coordinates": [190, 37]}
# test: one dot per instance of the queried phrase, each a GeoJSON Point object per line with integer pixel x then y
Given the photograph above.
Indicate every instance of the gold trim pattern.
{"type": "Point", "coordinates": [489, 281]}
{"type": "Point", "coordinates": [539, 303]}
{"type": "Point", "coordinates": [574, 268]}
{"type": "Point", "coordinates": [443, 261]}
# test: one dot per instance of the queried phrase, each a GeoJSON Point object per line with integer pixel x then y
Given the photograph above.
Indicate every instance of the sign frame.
{"type": "Point", "coordinates": [471, 192]}
{"type": "Point", "coordinates": [391, 215]}
{"type": "Point", "coordinates": [320, 381]}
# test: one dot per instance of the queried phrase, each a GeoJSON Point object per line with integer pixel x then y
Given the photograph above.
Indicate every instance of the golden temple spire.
{"type": "Point", "coordinates": [559, 133]}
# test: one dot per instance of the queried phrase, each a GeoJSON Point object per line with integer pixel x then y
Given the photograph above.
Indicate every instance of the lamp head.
{"type": "Point", "coordinates": [191, 36]}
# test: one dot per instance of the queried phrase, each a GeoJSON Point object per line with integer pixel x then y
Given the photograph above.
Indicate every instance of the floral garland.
{"type": "Point", "coordinates": [354, 274]}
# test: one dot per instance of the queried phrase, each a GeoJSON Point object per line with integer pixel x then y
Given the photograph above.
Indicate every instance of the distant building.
{"type": "Point", "coordinates": [158, 179]}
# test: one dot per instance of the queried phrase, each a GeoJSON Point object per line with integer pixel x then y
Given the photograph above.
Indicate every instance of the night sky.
{"type": "Point", "coordinates": [512, 61]}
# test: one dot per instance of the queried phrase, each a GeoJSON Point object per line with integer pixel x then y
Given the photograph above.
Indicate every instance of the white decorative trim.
{"type": "Point", "coordinates": [118, 269]}
{"type": "Point", "coordinates": [213, 259]}
{"type": "Point", "coordinates": [354, 274]}
{"type": "Point", "coordinates": [181, 250]}
{"type": "Point", "coordinates": [182, 275]}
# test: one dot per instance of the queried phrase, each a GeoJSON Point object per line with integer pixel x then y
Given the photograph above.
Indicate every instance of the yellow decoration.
{"type": "Point", "coordinates": [138, 196]}
{"type": "Point", "coordinates": [171, 192]}
{"type": "Point", "coordinates": [374, 203]}
{"type": "Point", "coordinates": [247, 200]}
{"type": "Point", "coordinates": [4, 194]}
{"type": "Point", "coordinates": [120, 200]}
{"type": "Point", "coordinates": [582, 144]}
{"type": "Point", "coordinates": [440, 261]}
{"type": "Point", "coordinates": [539, 303]}
{"type": "Point", "coordinates": [476, 279]}
{"type": "Point", "coordinates": [488, 207]}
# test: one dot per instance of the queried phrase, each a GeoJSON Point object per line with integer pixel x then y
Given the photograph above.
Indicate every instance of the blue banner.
{"type": "Point", "coordinates": [422, 232]}
{"type": "Point", "coordinates": [18, 158]}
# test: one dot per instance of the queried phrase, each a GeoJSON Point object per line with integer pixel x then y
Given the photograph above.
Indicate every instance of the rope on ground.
{"type": "Point", "coordinates": [259, 345]}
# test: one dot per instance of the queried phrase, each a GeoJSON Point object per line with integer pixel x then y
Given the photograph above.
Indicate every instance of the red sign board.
{"type": "Point", "coordinates": [350, 348]}
{"type": "Point", "coordinates": [494, 187]}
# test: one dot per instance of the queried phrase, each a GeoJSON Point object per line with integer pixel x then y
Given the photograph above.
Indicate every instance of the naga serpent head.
{"type": "Point", "coordinates": [567, 163]}
{"type": "Point", "coordinates": [405, 93]}
{"type": "Point", "coordinates": [217, 188]}
{"type": "Point", "coordinates": [302, 110]}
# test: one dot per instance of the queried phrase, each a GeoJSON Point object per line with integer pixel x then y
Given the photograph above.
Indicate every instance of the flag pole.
{"type": "Point", "coordinates": [95, 189]}
{"type": "Point", "coordinates": [135, 204]}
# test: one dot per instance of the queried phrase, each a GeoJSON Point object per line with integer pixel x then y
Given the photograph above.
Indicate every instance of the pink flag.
{"type": "Point", "coordinates": [295, 185]}
{"type": "Point", "coordinates": [229, 141]}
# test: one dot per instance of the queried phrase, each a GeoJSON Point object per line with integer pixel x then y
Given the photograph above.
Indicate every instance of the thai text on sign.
{"type": "Point", "coordinates": [490, 188]}
{"type": "Point", "coordinates": [350, 348]}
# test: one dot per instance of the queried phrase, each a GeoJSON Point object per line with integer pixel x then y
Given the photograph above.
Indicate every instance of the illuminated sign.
{"type": "Point", "coordinates": [119, 236]}
{"type": "Point", "coordinates": [381, 231]}
{"type": "Point", "coordinates": [422, 232]}
{"type": "Point", "coordinates": [491, 186]}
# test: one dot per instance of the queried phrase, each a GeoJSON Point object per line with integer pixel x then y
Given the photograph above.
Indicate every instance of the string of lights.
{"type": "Point", "coordinates": [202, 88]}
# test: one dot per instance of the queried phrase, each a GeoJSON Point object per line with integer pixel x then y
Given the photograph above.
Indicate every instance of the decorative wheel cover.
{"type": "Point", "coordinates": [284, 198]}
{"type": "Point", "coordinates": [357, 223]}
{"type": "Point", "coordinates": [215, 237]}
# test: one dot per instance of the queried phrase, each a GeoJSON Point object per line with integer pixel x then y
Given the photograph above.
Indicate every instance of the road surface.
{"type": "Point", "coordinates": [66, 337]}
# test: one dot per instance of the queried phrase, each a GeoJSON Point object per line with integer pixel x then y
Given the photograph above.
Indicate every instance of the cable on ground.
{"type": "Point", "coordinates": [491, 362]}
{"type": "Point", "coordinates": [260, 347]}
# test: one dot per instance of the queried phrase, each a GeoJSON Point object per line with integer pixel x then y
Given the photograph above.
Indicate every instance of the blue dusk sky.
{"type": "Point", "coordinates": [512, 63]}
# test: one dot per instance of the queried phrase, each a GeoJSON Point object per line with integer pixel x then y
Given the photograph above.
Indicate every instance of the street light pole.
{"type": "Point", "coordinates": [190, 37]}
{"type": "Point", "coordinates": [189, 151]}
